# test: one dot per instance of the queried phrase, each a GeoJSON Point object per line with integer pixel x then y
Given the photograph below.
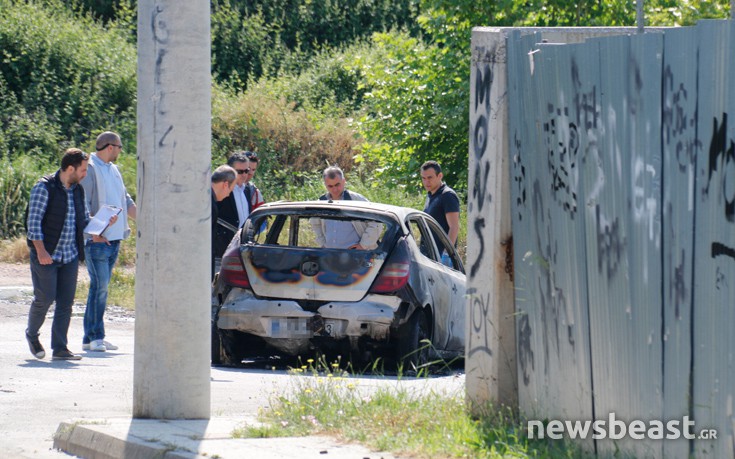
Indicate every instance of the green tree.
{"type": "Point", "coordinates": [418, 94]}
{"type": "Point", "coordinates": [268, 38]}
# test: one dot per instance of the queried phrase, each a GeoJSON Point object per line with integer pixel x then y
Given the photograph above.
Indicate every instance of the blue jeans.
{"type": "Point", "coordinates": [54, 282]}
{"type": "Point", "coordinates": [100, 259]}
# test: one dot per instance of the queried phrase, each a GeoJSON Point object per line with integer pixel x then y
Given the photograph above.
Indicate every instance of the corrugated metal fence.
{"type": "Point", "coordinates": [622, 176]}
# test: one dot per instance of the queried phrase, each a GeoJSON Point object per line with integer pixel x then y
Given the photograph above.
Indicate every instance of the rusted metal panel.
{"type": "Point", "coordinates": [714, 240]}
{"type": "Point", "coordinates": [680, 146]}
{"type": "Point", "coordinates": [551, 296]}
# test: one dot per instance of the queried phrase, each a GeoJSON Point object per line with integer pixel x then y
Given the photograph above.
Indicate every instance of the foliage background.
{"type": "Point", "coordinates": [376, 86]}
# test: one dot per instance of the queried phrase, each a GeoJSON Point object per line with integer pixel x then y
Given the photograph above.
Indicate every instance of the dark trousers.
{"type": "Point", "coordinates": [54, 282]}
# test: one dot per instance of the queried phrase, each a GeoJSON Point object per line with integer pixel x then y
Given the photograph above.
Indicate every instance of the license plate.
{"type": "Point", "coordinates": [290, 327]}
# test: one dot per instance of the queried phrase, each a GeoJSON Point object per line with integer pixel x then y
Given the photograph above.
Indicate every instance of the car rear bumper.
{"type": "Point", "coordinates": [286, 326]}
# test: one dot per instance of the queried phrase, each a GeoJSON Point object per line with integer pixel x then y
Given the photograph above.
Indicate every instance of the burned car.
{"type": "Point", "coordinates": [280, 290]}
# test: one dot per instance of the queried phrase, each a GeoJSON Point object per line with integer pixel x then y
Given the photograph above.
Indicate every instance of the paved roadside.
{"type": "Point", "coordinates": [87, 404]}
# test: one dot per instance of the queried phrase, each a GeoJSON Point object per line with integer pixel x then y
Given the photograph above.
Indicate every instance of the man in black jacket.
{"type": "Point", "coordinates": [57, 215]}
{"type": "Point", "coordinates": [223, 181]}
{"type": "Point", "coordinates": [234, 209]}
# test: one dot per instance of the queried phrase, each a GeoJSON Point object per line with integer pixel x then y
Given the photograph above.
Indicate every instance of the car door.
{"type": "Point", "coordinates": [445, 286]}
{"type": "Point", "coordinates": [451, 287]}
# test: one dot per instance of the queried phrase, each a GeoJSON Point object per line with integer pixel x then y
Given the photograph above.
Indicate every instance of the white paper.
{"type": "Point", "coordinates": [101, 220]}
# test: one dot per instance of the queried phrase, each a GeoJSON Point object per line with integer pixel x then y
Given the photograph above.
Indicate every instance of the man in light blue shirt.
{"type": "Point", "coordinates": [103, 185]}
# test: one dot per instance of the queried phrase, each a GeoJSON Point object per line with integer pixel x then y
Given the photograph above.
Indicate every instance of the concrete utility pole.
{"type": "Point", "coordinates": [640, 20]}
{"type": "Point", "coordinates": [172, 331]}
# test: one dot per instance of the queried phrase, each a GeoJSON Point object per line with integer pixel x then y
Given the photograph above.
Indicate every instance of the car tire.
{"type": "Point", "coordinates": [412, 352]}
{"type": "Point", "coordinates": [231, 350]}
{"type": "Point", "coordinates": [216, 346]}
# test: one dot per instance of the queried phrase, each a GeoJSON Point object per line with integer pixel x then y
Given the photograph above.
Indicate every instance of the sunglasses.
{"type": "Point", "coordinates": [243, 171]}
{"type": "Point", "coordinates": [109, 144]}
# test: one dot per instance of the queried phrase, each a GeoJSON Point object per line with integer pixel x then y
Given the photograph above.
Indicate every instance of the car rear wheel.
{"type": "Point", "coordinates": [216, 346]}
{"type": "Point", "coordinates": [231, 349]}
{"type": "Point", "coordinates": [413, 348]}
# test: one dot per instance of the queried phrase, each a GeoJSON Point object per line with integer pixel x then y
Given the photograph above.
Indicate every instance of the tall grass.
{"type": "Point", "coordinates": [429, 424]}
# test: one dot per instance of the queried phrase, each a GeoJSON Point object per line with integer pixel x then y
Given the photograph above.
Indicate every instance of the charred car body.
{"type": "Point", "coordinates": [279, 289]}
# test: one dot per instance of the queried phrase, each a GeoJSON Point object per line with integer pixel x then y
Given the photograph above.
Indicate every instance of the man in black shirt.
{"type": "Point", "coordinates": [442, 202]}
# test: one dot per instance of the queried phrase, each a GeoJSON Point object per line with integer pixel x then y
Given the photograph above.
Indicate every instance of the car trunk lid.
{"type": "Point", "coordinates": [315, 274]}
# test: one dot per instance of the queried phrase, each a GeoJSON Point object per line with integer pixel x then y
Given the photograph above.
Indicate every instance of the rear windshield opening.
{"type": "Point", "coordinates": [336, 232]}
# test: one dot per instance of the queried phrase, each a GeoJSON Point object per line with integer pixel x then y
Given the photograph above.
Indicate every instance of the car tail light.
{"type": "Point", "coordinates": [232, 271]}
{"type": "Point", "coordinates": [394, 273]}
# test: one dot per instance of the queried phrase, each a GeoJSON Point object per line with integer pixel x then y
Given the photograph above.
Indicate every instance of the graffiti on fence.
{"type": "Point", "coordinates": [610, 244]}
{"type": "Point", "coordinates": [678, 134]}
{"type": "Point", "coordinates": [525, 350]}
{"type": "Point", "coordinates": [645, 199]}
{"type": "Point", "coordinates": [722, 160]}
{"type": "Point", "coordinates": [587, 111]}
{"type": "Point", "coordinates": [677, 286]}
{"type": "Point", "coordinates": [561, 141]}
{"type": "Point", "coordinates": [519, 175]}
{"type": "Point", "coordinates": [719, 248]}
{"type": "Point", "coordinates": [677, 122]}
{"type": "Point", "coordinates": [720, 280]}
{"type": "Point", "coordinates": [553, 307]}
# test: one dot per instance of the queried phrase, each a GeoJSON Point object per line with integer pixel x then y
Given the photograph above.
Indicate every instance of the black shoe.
{"type": "Point", "coordinates": [65, 354]}
{"type": "Point", "coordinates": [35, 346]}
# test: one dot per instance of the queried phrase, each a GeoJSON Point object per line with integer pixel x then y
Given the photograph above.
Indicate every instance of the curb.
{"type": "Point", "coordinates": [194, 439]}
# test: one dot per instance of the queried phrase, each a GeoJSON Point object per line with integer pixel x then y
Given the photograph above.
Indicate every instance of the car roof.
{"type": "Point", "coordinates": [395, 212]}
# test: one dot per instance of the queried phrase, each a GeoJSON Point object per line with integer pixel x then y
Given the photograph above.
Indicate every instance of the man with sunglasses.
{"type": "Point", "coordinates": [252, 193]}
{"type": "Point", "coordinates": [103, 186]}
{"type": "Point", "coordinates": [235, 208]}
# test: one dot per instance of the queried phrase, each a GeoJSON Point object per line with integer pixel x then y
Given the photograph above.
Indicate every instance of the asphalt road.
{"type": "Point", "coordinates": [37, 395]}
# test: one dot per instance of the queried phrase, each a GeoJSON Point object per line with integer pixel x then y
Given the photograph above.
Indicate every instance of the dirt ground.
{"type": "Point", "coordinates": [15, 274]}
{"type": "Point", "coordinates": [19, 274]}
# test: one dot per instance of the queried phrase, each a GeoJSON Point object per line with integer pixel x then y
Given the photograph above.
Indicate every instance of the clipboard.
{"type": "Point", "coordinates": [101, 220]}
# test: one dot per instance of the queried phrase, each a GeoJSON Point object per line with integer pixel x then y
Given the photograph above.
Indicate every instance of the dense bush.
{"type": "Point", "coordinates": [15, 188]}
{"type": "Point", "coordinates": [290, 144]}
{"type": "Point", "coordinates": [23, 131]}
{"type": "Point", "coordinates": [332, 86]}
{"type": "Point", "coordinates": [62, 77]}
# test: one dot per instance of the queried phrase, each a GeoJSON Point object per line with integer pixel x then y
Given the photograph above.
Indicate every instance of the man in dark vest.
{"type": "Point", "coordinates": [57, 215]}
